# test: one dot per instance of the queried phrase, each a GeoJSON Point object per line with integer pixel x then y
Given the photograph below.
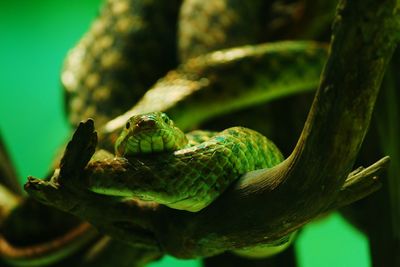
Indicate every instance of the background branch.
{"type": "Point", "coordinates": [263, 205]}
{"type": "Point", "coordinates": [8, 176]}
{"type": "Point", "coordinates": [10, 190]}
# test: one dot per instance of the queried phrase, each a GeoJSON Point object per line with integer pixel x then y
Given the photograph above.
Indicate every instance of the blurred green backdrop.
{"type": "Point", "coordinates": [34, 38]}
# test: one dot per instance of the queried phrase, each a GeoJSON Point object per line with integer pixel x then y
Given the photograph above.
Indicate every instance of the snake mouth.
{"type": "Point", "coordinates": [147, 141]}
{"type": "Point", "coordinates": [187, 203]}
{"type": "Point", "coordinates": [149, 133]}
{"type": "Point", "coordinates": [144, 127]}
{"type": "Point", "coordinates": [161, 198]}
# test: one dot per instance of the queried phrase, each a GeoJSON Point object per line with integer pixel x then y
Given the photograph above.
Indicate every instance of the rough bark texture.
{"type": "Point", "coordinates": [263, 205]}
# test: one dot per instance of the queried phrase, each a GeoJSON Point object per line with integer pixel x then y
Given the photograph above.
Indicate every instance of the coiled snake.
{"type": "Point", "coordinates": [133, 43]}
{"type": "Point", "coordinates": [189, 171]}
{"type": "Point", "coordinates": [193, 169]}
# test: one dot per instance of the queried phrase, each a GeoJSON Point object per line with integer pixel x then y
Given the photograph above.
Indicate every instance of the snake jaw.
{"type": "Point", "coordinates": [120, 144]}
{"type": "Point", "coordinates": [149, 133]}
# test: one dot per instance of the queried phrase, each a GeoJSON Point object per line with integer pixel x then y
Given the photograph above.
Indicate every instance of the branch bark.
{"type": "Point", "coordinates": [8, 175]}
{"type": "Point", "coordinates": [264, 205]}
{"type": "Point", "coordinates": [10, 190]}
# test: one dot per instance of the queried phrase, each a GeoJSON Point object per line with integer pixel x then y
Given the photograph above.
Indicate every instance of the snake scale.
{"type": "Point", "coordinates": [189, 171]}
{"type": "Point", "coordinates": [235, 65]}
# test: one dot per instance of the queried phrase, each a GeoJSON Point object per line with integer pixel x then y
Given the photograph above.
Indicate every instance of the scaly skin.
{"type": "Point", "coordinates": [229, 23]}
{"type": "Point", "coordinates": [118, 59]}
{"type": "Point", "coordinates": [150, 133]}
{"type": "Point", "coordinates": [206, 26]}
{"type": "Point", "coordinates": [191, 177]}
{"type": "Point", "coordinates": [194, 92]}
{"type": "Point", "coordinates": [186, 173]}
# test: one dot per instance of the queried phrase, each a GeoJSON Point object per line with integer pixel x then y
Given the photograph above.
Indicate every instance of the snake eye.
{"type": "Point", "coordinates": [127, 125]}
{"type": "Point", "coordinates": [165, 118]}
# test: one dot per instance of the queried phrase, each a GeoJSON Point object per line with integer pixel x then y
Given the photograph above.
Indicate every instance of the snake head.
{"type": "Point", "coordinates": [149, 133]}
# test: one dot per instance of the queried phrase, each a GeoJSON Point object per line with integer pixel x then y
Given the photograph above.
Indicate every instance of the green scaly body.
{"type": "Point", "coordinates": [118, 59]}
{"type": "Point", "coordinates": [186, 172]}
{"type": "Point", "coordinates": [224, 81]}
{"type": "Point", "coordinates": [190, 175]}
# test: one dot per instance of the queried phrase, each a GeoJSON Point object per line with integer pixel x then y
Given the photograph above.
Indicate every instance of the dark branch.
{"type": "Point", "coordinates": [360, 183]}
{"type": "Point", "coordinates": [10, 190]}
{"type": "Point", "coordinates": [8, 176]}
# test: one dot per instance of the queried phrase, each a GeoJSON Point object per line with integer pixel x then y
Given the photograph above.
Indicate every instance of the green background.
{"type": "Point", "coordinates": [34, 38]}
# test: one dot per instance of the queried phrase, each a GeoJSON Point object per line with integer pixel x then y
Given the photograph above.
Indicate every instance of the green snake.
{"type": "Point", "coordinates": [191, 94]}
{"type": "Point", "coordinates": [189, 170]}
{"type": "Point", "coordinates": [192, 170]}
{"type": "Point", "coordinates": [111, 68]}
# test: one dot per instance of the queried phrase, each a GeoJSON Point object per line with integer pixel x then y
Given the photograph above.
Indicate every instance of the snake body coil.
{"type": "Point", "coordinates": [194, 173]}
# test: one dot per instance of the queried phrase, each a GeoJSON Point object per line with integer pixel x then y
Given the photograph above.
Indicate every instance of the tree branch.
{"type": "Point", "coordinates": [264, 205]}
{"type": "Point", "coordinates": [8, 175]}
{"type": "Point", "coordinates": [10, 190]}
{"type": "Point", "coordinates": [360, 183]}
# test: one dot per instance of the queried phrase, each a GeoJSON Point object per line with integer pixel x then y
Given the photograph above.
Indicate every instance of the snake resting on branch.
{"type": "Point", "coordinates": [116, 63]}
{"type": "Point", "coordinates": [111, 68]}
{"type": "Point", "coordinates": [197, 168]}
{"type": "Point", "coordinates": [189, 171]}
{"type": "Point", "coordinates": [192, 170]}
